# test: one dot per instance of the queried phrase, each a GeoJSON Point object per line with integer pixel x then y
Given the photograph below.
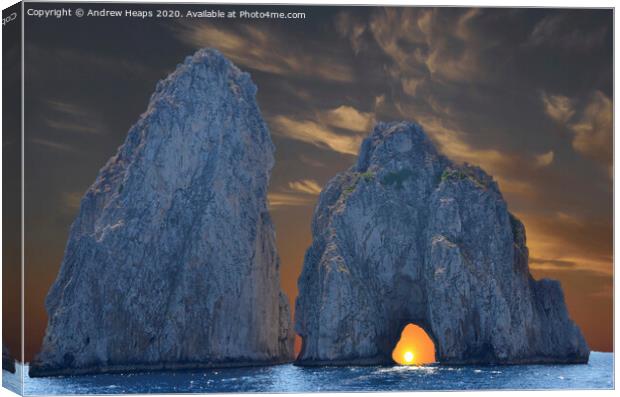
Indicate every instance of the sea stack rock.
{"type": "Point", "coordinates": [171, 262]}
{"type": "Point", "coordinates": [406, 235]}
{"type": "Point", "coordinates": [8, 362]}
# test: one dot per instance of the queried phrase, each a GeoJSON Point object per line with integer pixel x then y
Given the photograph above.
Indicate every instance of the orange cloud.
{"type": "Point", "coordinates": [545, 159]}
{"type": "Point", "coordinates": [317, 133]}
{"type": "Point", "coordinates": [307, 186]}
{"type": "Point", "coordinates": [300, 193]}
{"type": "Point", "coordinates": [349, 118]}
{"type": "Point", "coordinates": [592, 134]}
{"type": "Point", "coordinates": [558, 107]}
{"type": "Point", "coordinates": [592, 131]}
{"type": "Point", "coordinates": [277, 200]}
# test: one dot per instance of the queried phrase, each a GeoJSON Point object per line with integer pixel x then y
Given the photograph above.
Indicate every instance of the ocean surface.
{"type": "Point", "coordinates": [597, 374]}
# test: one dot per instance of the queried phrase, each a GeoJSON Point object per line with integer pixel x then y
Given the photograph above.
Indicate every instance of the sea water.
{"type": "Point", "coordinates": [597, 374]}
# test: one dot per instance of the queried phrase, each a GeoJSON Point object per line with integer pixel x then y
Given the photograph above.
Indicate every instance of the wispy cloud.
{"type": "Point", "coordinates": [421, 42]}
{"type": "Point", "coordinates": [66, 116]}
{"type": "Point", "coordinates": [349, 118]}
{"type": "Point", "coordinates": [545, 159]}
{"type": "Point", "coordinates": [52, 145]}
{"type": "Point", "coordinates": [261, 49]}
{"type": "Point", "coordinates": [277, 200]}
{"type": "Point", "coordinates": [592, 133]}
{"type": "Point", "coordinates": [322, 128]}
{"type": "Point", "coordinates": [72, 200]}
{"type": "Point", "coordinates": [64, 107]}
{"type": "Point", "coordinates": [316, 134]}
{"type": "Point", "coordinates": [559, 108]}
{"type": "Point", "coordinates": [74, 127]}
{"type": "Point", "coordinates": [308, 186]}
{"type": "Point", "coordinates": [299, 193]}
{"type": "Point", "coordinates": [353, 28]}
{"type": "Point", "coordinates": [546, 263]}
{"type": "Point", "coordinates": [590, 124]}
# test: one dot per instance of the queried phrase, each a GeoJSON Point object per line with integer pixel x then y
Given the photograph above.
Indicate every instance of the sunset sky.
{"type": "Point", "coordinates": [524, 93]}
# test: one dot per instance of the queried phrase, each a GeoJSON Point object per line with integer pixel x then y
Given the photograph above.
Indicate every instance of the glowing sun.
{"type": "Point", "coordinates": [415, 347]}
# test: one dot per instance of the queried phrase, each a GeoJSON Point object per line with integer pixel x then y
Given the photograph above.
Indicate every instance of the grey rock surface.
{"type": "Point", "coordinates": [8, 362]}
{"type": "Point", "coordinates": [406, 235]}
{"type": "Point", "coordinates": [171, 261]}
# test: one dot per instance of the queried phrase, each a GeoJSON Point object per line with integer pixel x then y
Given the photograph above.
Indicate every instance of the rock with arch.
{"type": "Point", "coordinates": [408, 236]}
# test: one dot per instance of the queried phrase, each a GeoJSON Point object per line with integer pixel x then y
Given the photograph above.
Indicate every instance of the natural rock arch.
{"type": "Point", "coordinates": [408, 235]}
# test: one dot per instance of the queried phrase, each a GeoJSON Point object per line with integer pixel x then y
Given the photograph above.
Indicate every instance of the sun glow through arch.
{"type": "Point", "coordinates": [415, 347]}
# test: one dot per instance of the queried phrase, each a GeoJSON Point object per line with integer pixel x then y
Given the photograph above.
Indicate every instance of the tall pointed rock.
{"type": "Point", "coordinates": [171, 261]}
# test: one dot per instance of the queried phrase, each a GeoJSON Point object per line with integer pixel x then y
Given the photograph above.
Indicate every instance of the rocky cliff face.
{"type": "Point", "coordinates": [406, 235]}
{"type": "Point", "coordinates": [172, 262]}
{"type": "Point", "coordinates": [8, 362]}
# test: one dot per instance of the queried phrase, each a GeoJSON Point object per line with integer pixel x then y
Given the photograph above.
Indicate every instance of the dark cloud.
{"type": "Point", "coordinates": [567, 32]}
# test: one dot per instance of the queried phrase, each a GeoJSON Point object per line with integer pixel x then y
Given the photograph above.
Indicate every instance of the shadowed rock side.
{"type": "Point", "coordinates": [171, 261]}
{"type": "Point", "coordinates": [408, 236]}
{"type": "Point", "coordinates": [8, 362]}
